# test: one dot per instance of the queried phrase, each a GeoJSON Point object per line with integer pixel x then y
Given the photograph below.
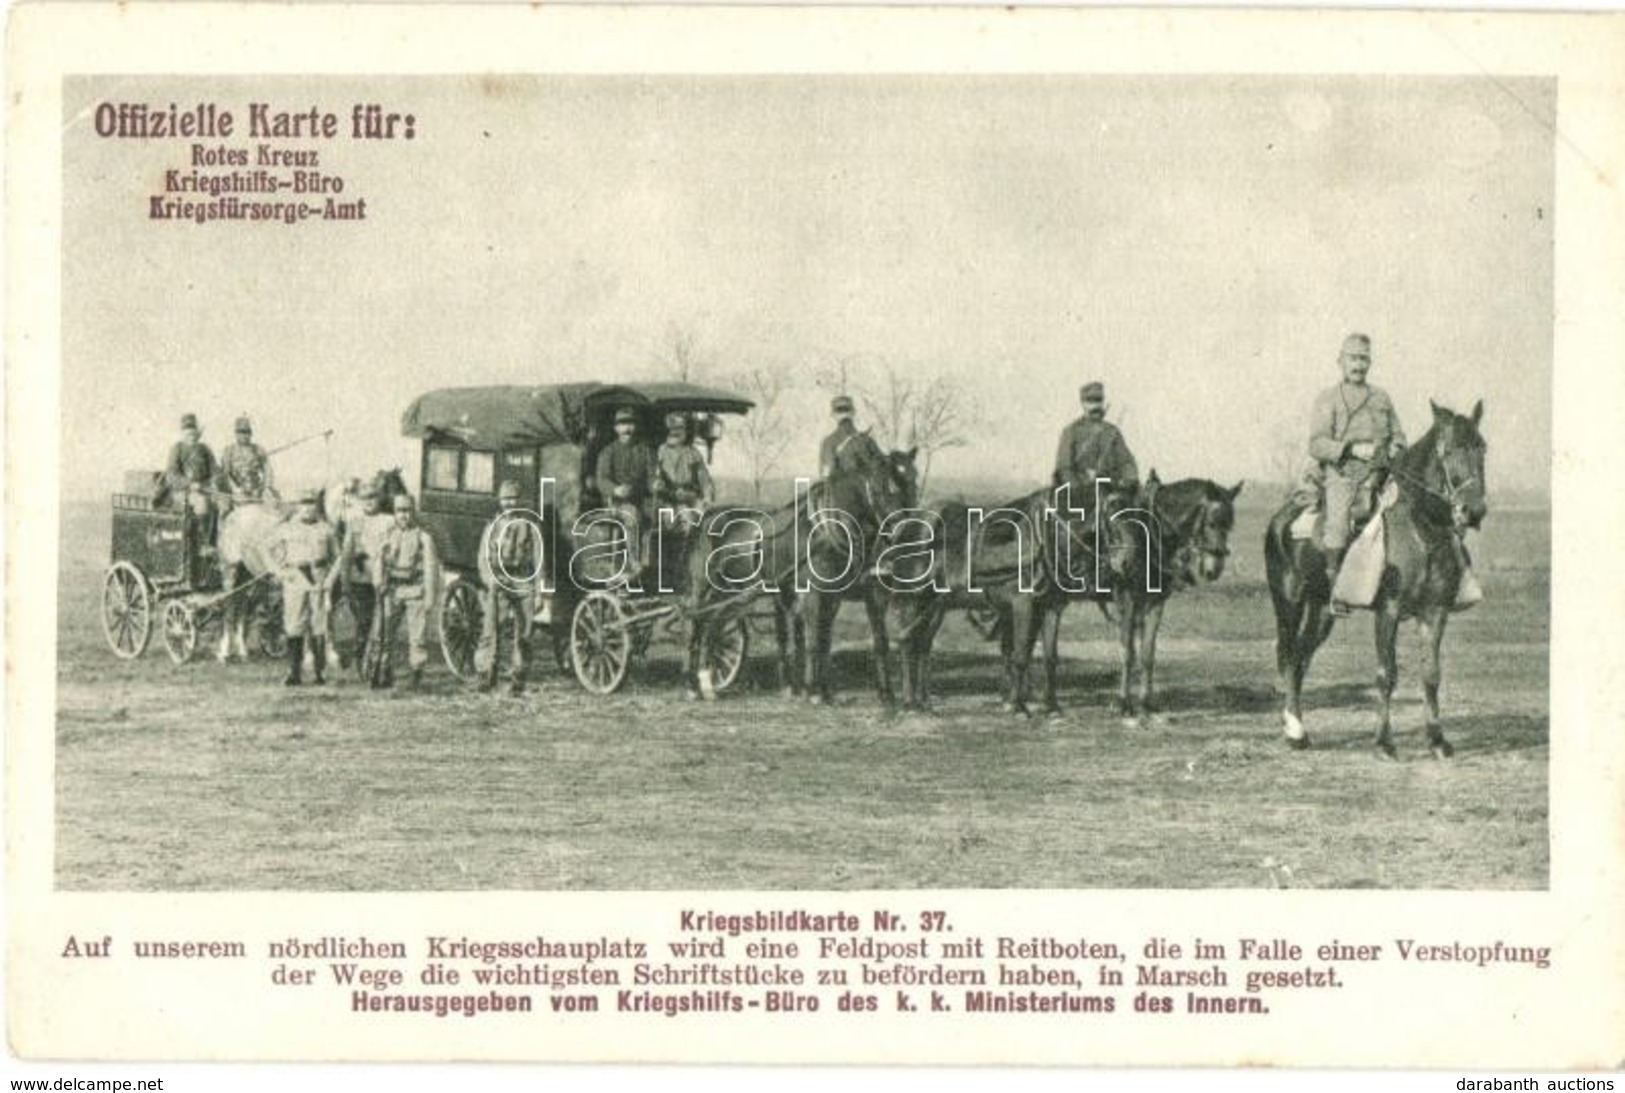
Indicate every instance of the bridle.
{"type": "Point", "coordinates": [1454, 492]}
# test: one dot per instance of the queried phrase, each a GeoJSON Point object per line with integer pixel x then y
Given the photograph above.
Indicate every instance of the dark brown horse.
{"type": "Point", "coordinates": [1026, 560]}
{"type": "Point", "coordinates": [808, 555]}
{"type": "Point", "coordinates": [1441, 493]}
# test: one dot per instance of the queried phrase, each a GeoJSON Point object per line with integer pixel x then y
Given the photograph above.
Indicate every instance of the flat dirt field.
{"type": "Point", "coordinates": [205, 777]}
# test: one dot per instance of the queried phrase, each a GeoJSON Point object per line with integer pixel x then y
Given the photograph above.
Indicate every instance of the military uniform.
{"type": "Point", "coordinates": [1344, 416]}
{"type": "Point", "coordinates": [245, 472]}
{"type": "Point", "coordinates": [625, 473]}
{"type": "Point", "coordinates": [1091, 448]}
{"type": "Point", "coordinates": [307, 556]}
{"type": "Point", "coordinates": [682, 474]}
{"type": "Point", "coordinates": [363, 539]}
{"type": "Point", "coordinates": [188, 479]}
{"type": "Point", "coordinates": [831, 447]}
{"type": "Point", "coordinates": [510, 567]}
{"type": "Point", "coordinates": [406, 571]}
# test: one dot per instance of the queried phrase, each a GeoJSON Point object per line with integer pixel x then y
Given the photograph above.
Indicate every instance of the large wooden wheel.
{"type": "Point", "coordinates": [600, 642]}
{"type": "Point", "coordinates": [180, 631]}
{"type": "Point", "coordinates": [126, 610]}
{"type": "Point", "coordinates": [730, 644]}
{"type": "Point", "coordinates": [461, 621]}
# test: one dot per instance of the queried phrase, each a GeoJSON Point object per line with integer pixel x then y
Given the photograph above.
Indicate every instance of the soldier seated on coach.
{"type": "Point", "coordinates": [245, 474]}
{"type": "Point", "coordinates": [682, 480]}
{"type": "Point", "coordinates": [188, 481]}
{"type": "Point", "coordinates": [624, 473]}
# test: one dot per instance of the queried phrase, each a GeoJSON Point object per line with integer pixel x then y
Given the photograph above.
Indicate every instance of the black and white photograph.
{"type": "Point", "coordinates": [883, 516]}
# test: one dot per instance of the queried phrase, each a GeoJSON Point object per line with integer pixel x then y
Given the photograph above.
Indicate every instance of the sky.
{"type": "Point", "coordinates": [1199, 244]}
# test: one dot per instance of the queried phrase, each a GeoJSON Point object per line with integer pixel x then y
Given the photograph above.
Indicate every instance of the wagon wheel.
{"type": "Point", "coordinates": [460, 625]}
{"type": "Point", "coordinates": [180, 631]}
{"type": "Point", "coordinates": [600, 643]}
{"type": "Point", "coordinates": [126, 611]}
{"type": "Point", "coordinates": [729, 646]}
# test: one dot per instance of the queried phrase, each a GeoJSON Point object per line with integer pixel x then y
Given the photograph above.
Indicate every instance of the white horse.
{"type": "Point", "coordinates": [246, 533]}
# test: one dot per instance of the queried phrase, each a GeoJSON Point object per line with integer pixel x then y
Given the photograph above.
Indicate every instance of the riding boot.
{"type": "Point", "coordinates": [296, 661]}
{"type": "Point", "coordinates": [318, 659]}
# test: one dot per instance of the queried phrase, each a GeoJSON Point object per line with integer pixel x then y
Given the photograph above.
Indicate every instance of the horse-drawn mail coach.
{"type": "Point", "coordinates": [164, 569]}
{"type": "Point", "coordinates": [546, 440]}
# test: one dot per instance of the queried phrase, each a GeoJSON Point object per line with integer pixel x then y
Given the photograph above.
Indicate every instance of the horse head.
{"type": "Point", "coordinates": [870, 484]}
{"type": "Point", "coordinates": [1201, 515]}
{"type": "Point", "coordinates": [390, 484]}
{"type": "Point", "coordinates": [1455, 470]}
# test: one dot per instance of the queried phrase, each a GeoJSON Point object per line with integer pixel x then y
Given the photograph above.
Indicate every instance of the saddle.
{"type": "Point", "coordinates": [1309, 497]}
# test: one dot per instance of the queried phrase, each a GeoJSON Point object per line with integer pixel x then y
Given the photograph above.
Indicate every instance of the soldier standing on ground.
{"type": "Point", "coordinates": [510, 569]}
{"type": "Point", "coordinates": [363, 538]}
{"type": "Point", "coordinates": [406, 573]}
{"type": "Point", "coordinates": [306, 552]}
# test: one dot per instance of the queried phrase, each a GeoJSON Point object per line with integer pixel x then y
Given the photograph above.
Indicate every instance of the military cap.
{"type": "Point", "coordinates": [1093, 391]}
{"type": "Point", "coordinates": [244, 425]}
{"type": "Point", "coordinates": [508, 489]}
{"type": "Point", "coordinates": [840, 404]}
{"type": "Point", "coordinates": [369, 489]}
{"type": "Point", "coordinates": [1357, 343]}
{"type": "Point", "coordinates": [625, 414]}
{"type": "Point", "coordinates": [310, 497]}
{"type": "Point", "coordinates": [403, 502]}
{"type": "Point", "coordinates": [676, 422]}
{"type": "Point", "coordinates": [189, 421]}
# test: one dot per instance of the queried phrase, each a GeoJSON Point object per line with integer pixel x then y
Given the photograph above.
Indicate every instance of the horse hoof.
{"type": "Point", "coordinates": [1385, 750]}
{"type": "Point", "coordinates": [816, 700]}
{"type": "Point", "coordinates": [1298, 743]}
{"type": "Point", "coordinates": [1442, 750]}
{"type": "Point", "coordinates": [1054, 713]}
{"type": "Point", "coordinates": [690, 694]}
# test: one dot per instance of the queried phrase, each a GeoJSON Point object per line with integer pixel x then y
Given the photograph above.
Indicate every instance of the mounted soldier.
{"type": "Point", "coordinates": [189, 475]}
{"type": "Point", "coordinates": [1354, 434]}
{"type": "Point", "coordinates": [841, 408]}
{"type": "Point", "coordinates": [406, 574]}
{"type": "Point", "coordinates": [306, 553]}
{"type": "Point", "coordinates": [245, 476]}
{"type": "Point", "coordinates": [1093, 449]}
{"type": "Point", "coordinates": [510, 569]}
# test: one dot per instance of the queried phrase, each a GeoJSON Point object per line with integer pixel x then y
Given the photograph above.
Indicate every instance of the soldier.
{"type": "Point", "coordinates": [245, 469]}
{"type": "Point", "coordinates": [624, 473]}
{"type": "Point", "coordinates": [188, 476]}
{"type": "Point", "coordinates": [510, 568]}
{"type": "Point", "coordinates": [363, 538]}
{"type": "Point", "coordinates": [406, 574]}
{"type": "Point", "coordinates": [1354, 432]}
{"type": "Point", "coordinates": [306, 553]}
{"type": "Point", "coordinates": [840, 407]}
{"type": "Point", "coordinates": [1093, 449]}
{"type": "Point", "coordinates": [681, 476]}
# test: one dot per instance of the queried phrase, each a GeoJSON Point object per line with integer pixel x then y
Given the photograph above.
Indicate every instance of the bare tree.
{"type": "Point", "coordinates": [905, 412]}
{"type": "Point", "coordinates": [765, 433]}
{"type": "Point", "coordinates": [681, 356]}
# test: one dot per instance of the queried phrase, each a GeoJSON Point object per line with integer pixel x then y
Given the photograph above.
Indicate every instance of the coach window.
{"type": "Point", "coordinates": [479, 472]}
{"type": "Point", "coordinates": [441, 473]}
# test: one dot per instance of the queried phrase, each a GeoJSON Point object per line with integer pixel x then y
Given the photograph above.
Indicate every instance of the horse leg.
{"type": "Point", "coordinates": [1023, 633]}
{"type": "Point", "coordinates": [232, 610]}
{"type": "Point", "coordinates": [1432, 623]}
{"type": "Point", "coordinates": [1127, 627]}
{"type": "Point", "coordinates": [783, 609]}
{"type": "Point", "coordinates": [928, 638]}
{"type": "Point", "coordinates": [1050, 629]}
{"type": "Point", "coordinates": [1151, 622]}
{"type": "Point", "coordinates": [1386, 631]}
{"type": "Point", "coordinates": [1311, 630]}
{"type": "Point", "coordinates": [692, 661]}
{"type": "Point", "coordinates": [821, 622]}
{"type": "Point", "coordinates": [874, 603]}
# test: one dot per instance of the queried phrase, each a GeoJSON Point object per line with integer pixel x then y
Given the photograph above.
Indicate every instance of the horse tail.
{"type": "Point", "coordinates": [1286, 583]}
